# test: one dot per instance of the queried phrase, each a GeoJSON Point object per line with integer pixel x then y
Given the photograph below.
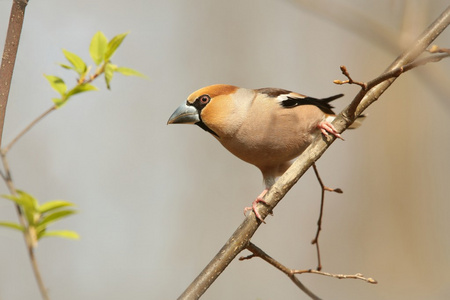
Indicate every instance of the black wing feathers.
{"type": "Point", "coordinates": [323, 104]}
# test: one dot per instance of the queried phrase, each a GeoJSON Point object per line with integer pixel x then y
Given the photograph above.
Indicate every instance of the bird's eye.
{"type": "Point", "coordinates": [204, 99]}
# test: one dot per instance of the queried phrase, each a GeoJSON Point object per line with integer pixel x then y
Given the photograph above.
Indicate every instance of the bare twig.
{"type": "Point", "coordinates": [359, 21]}
{"type": "Point", "coordinates": [344, 71]}
{"type": "Point", "coordinates": [338, 276]}
{"type": "Point", "coordinates": [241, 237]}
{"type": "Point", "coordinates": [324, 188]}
{"type": "Point", "coordinates": [365, 86]}
{"type": "Point", "coordinates": [26, 129]}
{"type": "Point", "coordinates": [257, 252]}
{"type": "Point", "coordinates": [437, 49]}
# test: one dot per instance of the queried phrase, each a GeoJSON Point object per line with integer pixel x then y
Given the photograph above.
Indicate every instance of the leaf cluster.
{"type": "Point", "coordinates": [39, 216]}
{"type": "Point", "coordinates": [101, 50]}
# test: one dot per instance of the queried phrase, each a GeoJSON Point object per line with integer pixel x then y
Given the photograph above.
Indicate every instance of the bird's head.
{"type": "Point", "coordinates": [212, 108]}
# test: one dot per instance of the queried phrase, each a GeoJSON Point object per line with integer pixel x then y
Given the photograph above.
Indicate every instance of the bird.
{"type": "Point", "coordinates": [266, 127]}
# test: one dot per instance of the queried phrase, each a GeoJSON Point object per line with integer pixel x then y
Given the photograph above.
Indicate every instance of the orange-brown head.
{"type": "Point", "coordinates": [210, 108]}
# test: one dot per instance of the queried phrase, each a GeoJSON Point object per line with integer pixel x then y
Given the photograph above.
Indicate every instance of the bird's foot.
{"type": "Point", "coordinates": [254, 203]}
{"type": "Point", "coordinates": [326, 128]}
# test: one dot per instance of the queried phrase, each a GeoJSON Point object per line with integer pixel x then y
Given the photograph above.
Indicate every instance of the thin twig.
{"type": "Point", "coordinates": [390, 74]}
{"type": "Point", "coordinates": [37, 274]}
{"type": "Point", "coordinates": [324, 188]}
{"type": "Point", "coordinates": [437, 49]}
{"type": "Point", "coordinates": [27, 236]}
{"type": "Point", "coordinates": [258, 252]}
{"type": "Point", "coordinates": [26, 129]}
{"type": "Point", "coordinates": [338, 276]}
{"type": "Point", "coordinates": [344, 71]}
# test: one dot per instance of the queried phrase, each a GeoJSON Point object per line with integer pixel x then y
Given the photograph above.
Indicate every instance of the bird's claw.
{"type": "Point", "coordinates": [326, 128]}
{"type": "Point", "coordinates": [253, 207]}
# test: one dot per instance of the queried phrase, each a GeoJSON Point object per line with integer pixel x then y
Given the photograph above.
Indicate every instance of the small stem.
{"type": "Point", "coordinates": [257, 252]}
{"type": "Point", "coordinates": [37, 273]}
{"type": "Point", "coordinates": [261, 254]}
{"type": "Point", "coordinates": [338, 276]}
{"type": "Point", "coordinates": [26, 129]}
{"type": "Point", "coordinates": [22, 220]}
{"type": "Point", "coordinates": [319, 221]}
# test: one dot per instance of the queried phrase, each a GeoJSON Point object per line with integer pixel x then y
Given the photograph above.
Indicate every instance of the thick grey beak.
{"type": "Point", "coordinates": [184, 114]}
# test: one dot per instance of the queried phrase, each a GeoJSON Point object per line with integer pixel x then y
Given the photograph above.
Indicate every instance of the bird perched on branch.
{"type": "Point", "coordinates": [266, 127]}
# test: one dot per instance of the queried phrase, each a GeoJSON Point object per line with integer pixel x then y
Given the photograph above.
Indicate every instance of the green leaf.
{"type": "Point", "coordinates": [28, 203]}
{"type": "Point", "coordinates": [66, 66]}
{"type": "Point", "coordinates": [130, 72]}
{"type": "Point", "coordinates": [98, 47]}
{"type": "Point", "coordinates": [78, 64]}
{"type": "Point", "coordinates": [52, 205]}
{"type": "Point", "coordinates": [18, 200]}
{"type": "Point", "coordinates": [109, 72]}
{"type": "Point", "coordinates": [30, 207]}
{"type": "Point", "coordinates": [85, 87]}
{"type": "Point", "coordinates": [59, 102]}
{"type": "Point", "coordinates": [67, 234]}
{"type": "Point", "coordinates": [53, 217]}
{"type": "Point", "coordinates": [12, 225]}
{"type": "Point", "coordinates": [57, 83]}
{"type": "Point", "coordinates": [113, 44]}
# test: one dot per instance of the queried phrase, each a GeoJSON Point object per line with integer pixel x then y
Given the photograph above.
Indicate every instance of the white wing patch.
{"type": "Point", "coordinates": [284, 97]}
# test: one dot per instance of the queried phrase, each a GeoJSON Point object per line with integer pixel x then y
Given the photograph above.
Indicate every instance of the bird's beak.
{"type": "Point", "coordinates": [184, 114]}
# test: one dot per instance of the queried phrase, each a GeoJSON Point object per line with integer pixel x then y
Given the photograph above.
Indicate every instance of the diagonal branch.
{"type": "Point", "coordinates": [241, 237]}
{"type": "Point", "coordinates": [9, 55]}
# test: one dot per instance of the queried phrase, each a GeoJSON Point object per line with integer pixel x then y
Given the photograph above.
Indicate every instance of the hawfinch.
{"type": "Point", "coordinates": [265, 127]}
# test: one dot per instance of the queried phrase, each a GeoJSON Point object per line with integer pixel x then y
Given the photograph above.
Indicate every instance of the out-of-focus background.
{"type": "Point", "coordinates": [157, 202]}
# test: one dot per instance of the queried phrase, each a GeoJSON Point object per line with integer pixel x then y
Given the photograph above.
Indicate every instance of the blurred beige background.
{"type": "Point", "coordinates": [157, 202]}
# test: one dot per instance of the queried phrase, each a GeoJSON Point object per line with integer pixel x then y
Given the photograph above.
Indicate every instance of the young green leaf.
{"type": "Point", "coordinates": [28, 203]}
{"type": "Point", "coordinates": [59, 102]}
{"type": "Point", "coordinates": [18, 200]}
{"type": "Point", "coordinates": [109, 72]}
{"type": "Point", "coordinates": [97, 48]}
{"type": "Point", "coordinates": [53, 217]}
{"type": "Point", "coordinates": [25, 200]}
{"type": "Point", "coordinates": [12, 225]}
{"type": "Point", "coordinates": [52, 205]}
{"type": "Point", "coordinates": [85, 87]}
{"type": "Point", "coordinates": [130, 72]}
{"type": "Point", "coordinates": [66, 66]}
{"type": "Point", "coordinates": [67, 234]}
{"type": "Point", "coordinates": [30, 207]}
{"type": "Point", "coordinates": [78, 64]}
{"type": "Point", "coordinates": [57, 84]}
{"type": "Point", "coordinates": [113, 44]}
